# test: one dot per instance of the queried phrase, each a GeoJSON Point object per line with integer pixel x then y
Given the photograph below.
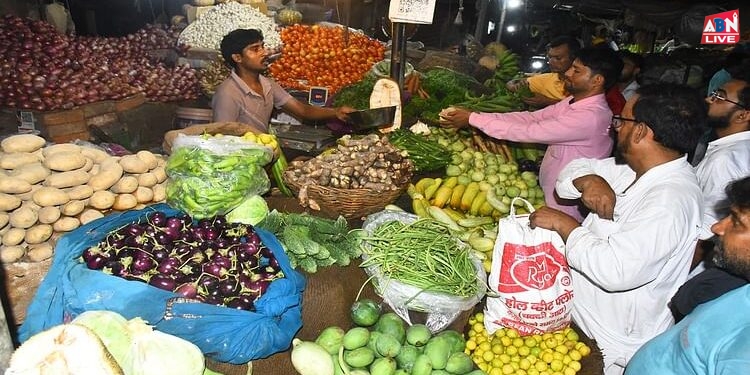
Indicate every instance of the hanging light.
{"type": "Point", "coordinates": [514, 4]}
{"type": "Point", "coordinates": [511, 28]}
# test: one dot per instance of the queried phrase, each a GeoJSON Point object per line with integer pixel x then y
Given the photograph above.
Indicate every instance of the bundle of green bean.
{"type": "Point", "coordinates": [423, 254]}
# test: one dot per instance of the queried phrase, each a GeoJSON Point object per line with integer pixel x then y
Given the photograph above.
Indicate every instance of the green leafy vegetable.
{"type": "Point", "coordinates": [251, 211]}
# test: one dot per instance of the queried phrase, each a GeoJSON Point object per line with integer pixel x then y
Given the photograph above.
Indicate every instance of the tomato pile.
{"type": "Point", "coordinates": [316, 56]}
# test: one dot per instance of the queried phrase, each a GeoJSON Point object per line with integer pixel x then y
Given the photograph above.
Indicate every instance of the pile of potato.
{"type": "Point", "coordinates": [45, 191]}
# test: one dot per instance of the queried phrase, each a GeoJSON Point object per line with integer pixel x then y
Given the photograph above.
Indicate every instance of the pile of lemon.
{"type": "Point", "coordinates": [507, 353]}
{"type": "Point", "coordinates": [268, 140]}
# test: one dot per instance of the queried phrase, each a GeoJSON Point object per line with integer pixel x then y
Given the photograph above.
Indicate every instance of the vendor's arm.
{"type": "Point", "coordinates": [310, 112]}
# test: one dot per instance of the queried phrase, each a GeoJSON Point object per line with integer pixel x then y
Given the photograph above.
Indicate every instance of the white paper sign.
{"type": "Point", "coordinates": [412, 11]}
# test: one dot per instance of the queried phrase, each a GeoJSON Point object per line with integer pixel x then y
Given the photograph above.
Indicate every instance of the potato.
{"type": "Point", "coordinates": [80, 192]}
{"type": "Point", "coordinates": [161, 174]}
{"type": "Point", "coordinates": [109, 173]}
{"type": "Point", "coordinates": [27, 196]}
{"type": "Point", "coordinates": [124, 202]}
{"type": "Point", "coordinates": [49, 214]}
{"type": "Point", "coordinates": [60, 147]}
{"type": "Point", "coordinates": [11, 254]}
{"type": "Point", "coordinates": [144, 194]}
{"type": "Point", "coordinates": [40, 252]}
{"type": "Point", "coordinates": [13, 185]}
{"type": "Point", "coordinates": [95, 169]}
{"type": "Point", "coordinates": [67, 179]}
{"type": "Point", "coordinates": [9, 202]}
{"type": "Point", "coordinates": [133, 164]}
{"type": "Point", "coordinates": [22, 143]}
{"type": "Point", "coordinates": [4, 219]}
{"type": "Point", "coordinates": [160, 193]}
{"type": "Point", "coordinates": [24, 217]}
{"type": "Point", "coordinates": [73, 208]}
{"type": "Point", "coordinates": [127, 184]}
{"type": "Point", "coordinates": [95, 154]}
{"type": "Point", "coordinates": [17, 160]}
{"type": "Point", "coordinates": [140, 206]}
{"type": "Point", "coordinates": [148, 157]}
{"type": "Point", "coordinates": [50, 196]}
{"type": "Point", "coordinates": [87, 167]}
{"type": "Point", "coordinates": [66, 224]}
{"type": "Point", "coordinates": [88, 215]}
{"type": "Point", "coordinates": [14, 236]}
{"type": "Point", "coordinates": [31, 173]}
{"type": "Point", "coordinates": [38, 234]}
{"type": "Point", "coordinates": [102, 199]}
{"type": "Point", "coordinates": [147, 179]}
{"type": "Point", "coordinates": [65, 161]}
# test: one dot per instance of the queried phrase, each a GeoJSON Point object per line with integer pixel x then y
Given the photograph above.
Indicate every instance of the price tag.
{"type": "Point", "coordinates": [318, 96]}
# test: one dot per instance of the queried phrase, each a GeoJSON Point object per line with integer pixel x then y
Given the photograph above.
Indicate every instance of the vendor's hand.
{"type": "Point", "coordinates": [455, 118]}
{"type": "Point", "coordinates": [342, 113]}
{"type": "Point", "coordinates": [552, 219]}
{"type": "Point", "coordinates": [597, 195]}
{"type": "Point", "coordinates": [539, 101]}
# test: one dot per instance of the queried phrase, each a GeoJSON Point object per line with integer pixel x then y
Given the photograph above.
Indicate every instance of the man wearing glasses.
{"type": "Point", "coordinates": [633, 250]}
{"type": "Point", "coordinates": [248, 96]}
{"type": "Point", "coordinates": [575, 127]}
{"type": "Point", "coordinates": [727, 158]}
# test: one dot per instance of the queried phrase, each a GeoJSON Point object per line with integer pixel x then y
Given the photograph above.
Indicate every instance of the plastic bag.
{"type": "Point", "coordinates": [212, 175]}
{"type": "Point", "coordinates": [530, 278]}
{"type": "Point", "coordinates": [223, 334]}
{"type": "Point", "coordinates": [442, 309]}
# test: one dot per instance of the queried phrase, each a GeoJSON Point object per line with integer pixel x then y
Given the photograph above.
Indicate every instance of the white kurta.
{"type": "Point", "coordinates": [625, 270]}
{"type": "Point", "coordinates": [727, 159]}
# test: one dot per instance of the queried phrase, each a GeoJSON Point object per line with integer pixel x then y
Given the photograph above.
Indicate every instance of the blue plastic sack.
{"type": "Point", "coordinates": [223, 334]}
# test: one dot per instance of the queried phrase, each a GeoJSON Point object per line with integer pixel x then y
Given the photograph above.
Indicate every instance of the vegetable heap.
{"type": "Point", "coordinates": [424, 254]}
{"type": "Point", "coordinates": [382, 345]}
{"type": "Point", "coordinates": [210, 260]}
{"type": "Point", "coordinates": [370, 162]}
{"type": "Point", "coordinates": [206, 182]}
{"type": "Point", "coordinates": [320, 56]}
{"type": "Point", "coordinates": [426, 155]}
{"type": "Point", "coordinates": [208, 30]}
{"type": "Point", "coordinates": [312, 242]}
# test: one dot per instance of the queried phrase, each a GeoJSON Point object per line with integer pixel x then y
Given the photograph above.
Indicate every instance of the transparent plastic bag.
{"type": "Point", "coordinates": [441, 309]}
{"type": "Point", "coordinates": [210, 176]}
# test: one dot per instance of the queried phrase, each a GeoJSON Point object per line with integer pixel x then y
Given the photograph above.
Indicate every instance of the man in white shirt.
{"type": "Point", "coordinates": [727, 158]}
{"type": "Point", "coordinates": [634, 249]}
{"type": "Point", "coordinates": [631, 68]}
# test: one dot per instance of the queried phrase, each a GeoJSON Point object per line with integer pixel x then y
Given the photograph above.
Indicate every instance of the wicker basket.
{"type": "Point", "coordinates": [349, 203]}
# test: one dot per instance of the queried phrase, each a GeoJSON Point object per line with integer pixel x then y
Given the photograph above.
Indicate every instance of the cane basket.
{"type": "Point", "coordinates": [349, 203]}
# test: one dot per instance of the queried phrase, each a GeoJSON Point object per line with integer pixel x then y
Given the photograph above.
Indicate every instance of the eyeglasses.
{"type": "Point", "coordinates": [618, 121]}
{"type": "Point", "coordinates": [718, 96]}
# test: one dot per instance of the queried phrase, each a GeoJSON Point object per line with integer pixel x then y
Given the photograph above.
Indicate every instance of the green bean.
{"type": "Point", "coordinates": [423, 254]}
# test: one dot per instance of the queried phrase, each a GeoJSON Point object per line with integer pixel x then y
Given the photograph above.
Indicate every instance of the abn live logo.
{"type": "Point", "coordinates": [722, 28]}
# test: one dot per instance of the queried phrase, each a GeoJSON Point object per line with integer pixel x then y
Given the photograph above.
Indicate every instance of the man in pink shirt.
{"type": "Point", "coordinates": [576, 127]}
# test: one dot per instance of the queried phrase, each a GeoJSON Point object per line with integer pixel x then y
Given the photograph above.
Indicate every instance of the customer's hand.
{"type": "Point", "coordinates": [597, 195]}
{"type": "Point", "coordinates": [455, 118]}
{"type": "Point", "coordinates": [552, 219]}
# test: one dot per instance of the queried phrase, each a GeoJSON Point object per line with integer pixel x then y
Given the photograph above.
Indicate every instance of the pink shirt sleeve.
{"type": "Point", "coordinates": [556, 124]}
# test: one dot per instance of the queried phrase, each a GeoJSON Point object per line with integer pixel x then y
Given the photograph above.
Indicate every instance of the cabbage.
{"type": "Point", "coordinates": [251, 211]}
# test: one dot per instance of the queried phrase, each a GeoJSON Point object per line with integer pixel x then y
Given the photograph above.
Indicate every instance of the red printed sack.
{"type": "Point", "coordinates": [530, 278]}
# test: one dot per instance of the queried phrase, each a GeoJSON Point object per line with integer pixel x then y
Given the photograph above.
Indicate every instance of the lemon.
{"type": "Point", "coordinates": [511, 350]}
{"type": "Point", "coordinates": [574, 355]}
{"type": "Point", "coordinates": [551, 343]}
{"type": "Point", "coordinates": [507, 341]}
{"type": "Point", "coordinates": [500, 333]}
{"type": "Point", "coordinates": [524, 351]}
{"type": "Point", "coordinates": [497, 362]}
{"type": "Point", "coordinates": [572, 336]}
{"type": "Point", "coordinates": [575, 365]}
{"type": "Point", "coordinates": [547, 358]}
{"type": "Point", "coordinates": [478, 327]}
{"type": "Point", "coordinates": [480, 317]}
{"type": "Point", "coordinates": [504, 358]}
{"type": "Point", "coordinates": [508, 369]}
{"type": "Point", "coordinates": [530, 342]}
{"type": "Point", "coordinates": [497, 349]}
{"type": "Point", "coordinates": [556, 365]}
{"type": "Point", "coordinates": [566, 359]}
{"type": "Point", "coordinates": [518, 342]}
{"type": "Point", "coordinates": [512, 333]}
{"type": "Point", "coordinates": [558, 356]}
{"type": "Point", "coordinates": [532, 371]}
{"type": "Point", "coordinates": [561, 349]}
{"type": "Point", "coordinates": [569, 371]}
{"type": "Point", "coordinates": [540, 366]}
{"type": "Point", "coordinates": [485, 346]}
{"type": "Point", "coordinates": [496, 371]}
{"type": "Point", "coordinates": [535, 351]}
{"type": "Point", "coordinates": [584, 350]}
{"type": "Point", "coordinates": [524, 364]}
{"type": "Point", "coordinates": [483, 367]}
{"type": "Point", "coordinates": [488, 356]}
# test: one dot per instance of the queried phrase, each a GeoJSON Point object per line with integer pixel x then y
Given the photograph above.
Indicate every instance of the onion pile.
{"type": "Point", "coordinates": [210, 260]}
{"type": "Point", "coordinates": [44, 70]}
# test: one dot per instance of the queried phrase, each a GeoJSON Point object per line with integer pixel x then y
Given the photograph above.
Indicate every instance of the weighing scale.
{"type": "Point", "coordinates": [303, 137]}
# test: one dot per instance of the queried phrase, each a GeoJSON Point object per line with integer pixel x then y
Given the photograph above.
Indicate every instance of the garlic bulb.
{"type": "Point", "coordinates": [208, 30]}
